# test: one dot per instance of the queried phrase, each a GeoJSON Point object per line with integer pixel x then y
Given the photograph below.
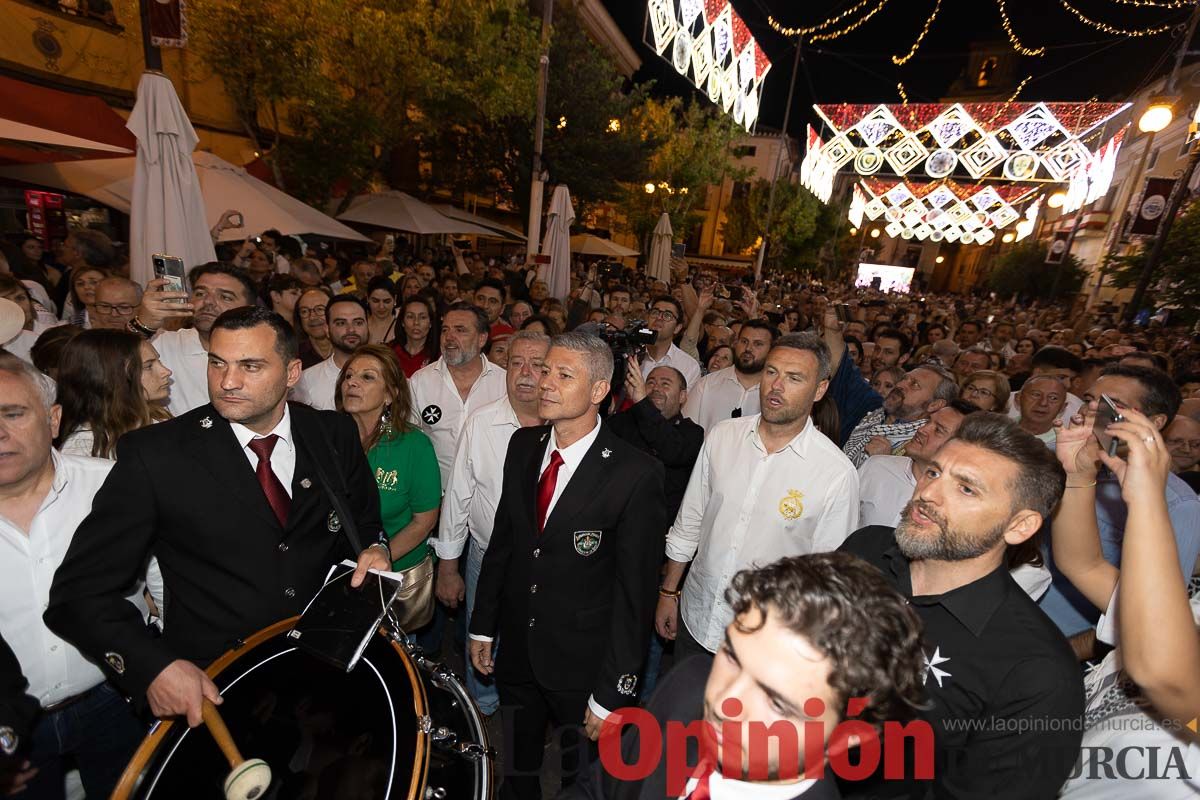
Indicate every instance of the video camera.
{"type": "Point", "coordinates": [631, 341]}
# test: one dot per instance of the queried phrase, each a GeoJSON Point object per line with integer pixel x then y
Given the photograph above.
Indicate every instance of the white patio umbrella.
{"type": "Point", "coordinates": [557, 245]}
{"type": "Point", "coordinates": [402, 212]}
{"type": "Point", "coordinates": [585, 244]}
{"type": "Point", "coordinates": [166, 209]}
{"type": "Point", "coordinates": [225, 186]}
{"type": "Point", "coordinates": [22, 134]}
{"type": "Point", "coordinates": [659, 266]}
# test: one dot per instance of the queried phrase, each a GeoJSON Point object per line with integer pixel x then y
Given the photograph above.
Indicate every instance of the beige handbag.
{"type": "Point", "coordinates": [413, 607]}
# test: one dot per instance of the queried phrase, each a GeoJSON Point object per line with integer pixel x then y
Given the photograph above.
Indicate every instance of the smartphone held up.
{"type": "Point", "coordinates": [1107, 413]}
{"type": "Point", "coordinates": [170, 269]}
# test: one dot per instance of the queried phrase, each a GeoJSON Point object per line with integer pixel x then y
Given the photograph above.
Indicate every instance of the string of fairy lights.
{"type": "Point", "coordinates": [826, 31]}
{"type": "Point", "coordinates": [900, 61]}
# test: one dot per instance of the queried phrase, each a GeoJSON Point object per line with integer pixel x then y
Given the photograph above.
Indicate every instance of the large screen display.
{"type": "Point", "coordinates": [884, 277]}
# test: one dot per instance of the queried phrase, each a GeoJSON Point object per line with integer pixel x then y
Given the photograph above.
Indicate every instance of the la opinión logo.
{"type": "Point", "coordinates": [757, 751]}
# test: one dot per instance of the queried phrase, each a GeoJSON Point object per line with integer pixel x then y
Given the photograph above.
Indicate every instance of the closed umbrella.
{"type": "Point", "coordinates": [659, 266]}
{"type": "Point", "coordinates": [556, 273]}
{"type": "Point", "coordinates": [167, 209]}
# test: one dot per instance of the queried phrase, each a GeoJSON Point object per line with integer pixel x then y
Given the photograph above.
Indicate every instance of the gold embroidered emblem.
{"type": "Point", "coordinates": [792, 505]}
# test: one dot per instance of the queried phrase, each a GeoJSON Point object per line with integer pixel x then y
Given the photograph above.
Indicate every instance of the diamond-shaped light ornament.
{"type": "Point", "coordinates": [1004, 215]}
{"type": "Point", "coordinates": [984, 236]}
{"type": "Point", "coordinates": [874, 209]}
{"type": "Point", "coordinates": [662, 23]}
{"type": "Point", "coordinates": [958, 213]}
{"type": "Point", "coordinates": [745, 62]}
{"type": "Point", "coordinates": [981, 157]}
{"type": "Point", "coordinates": [937, 218]}
{"type": "Point", "coordinates": [689, 10]}
{"type": "Point", "coordinates": [905, 154]}
{"type": "Point", "coordinates": [952, 234]}
{"type": "Point", "coordinates": [1064, 158]}
{"type": "Point", "coordinates": [985, 198]}
{"type": "Point", "coordinates": [898, 195]}
{"type": "Point", "coordinates": [893, 229]}
{"type": "Point", "coordinates": [877, 125]}
{"type": "Point", "coordinates": [702, 58]}
{"type": "Point", "coordinates": [922, 231]}
{"type": "Point", "coordinates": [940, 197]}
{"type": "Point", "coordinates": [729, 90]}
{"type": "Point", "coordinates": [722, 33]}
{"type": "Point", "coordinates": [950, 126]}
{"type": "Point", "coordinates": [893, 214]}
{"type": "Point", "coordinates": [839, 151]}
{"type": "Point", "coordinates": [1033, 127]}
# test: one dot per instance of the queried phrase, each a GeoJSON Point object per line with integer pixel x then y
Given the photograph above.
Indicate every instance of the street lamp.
{"type": "Point", "coordinates": [1158, 114]}
{"type": "Point", "coordinates": [649, 188]}
{"type": "Point", "coordinates": [939, 259]}
{"type": "Point", "coordinates": [875, 233]}
{"type": "Point", "coordinates": [1007, 238]}
{"type": "Point", "coordinates": [1057, 199]}
{"type": "Point", "coordinates": [614, 125]}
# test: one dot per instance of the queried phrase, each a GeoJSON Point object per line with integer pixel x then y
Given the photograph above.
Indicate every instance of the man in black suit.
{"type": "Point", "coordinates": [568, 580]}
{"type": "Point", "coordinates": [654, 424]}
{"type": "Point", "coordinates": [228, 498]}
{"type": "Point", "coordinates": [810, 634]}
{"type": "Point", "coordinates": [17, 712]}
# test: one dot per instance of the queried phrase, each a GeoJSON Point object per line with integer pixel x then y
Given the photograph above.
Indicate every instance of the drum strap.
{"type": "Point", "coordinates": [337, 496]}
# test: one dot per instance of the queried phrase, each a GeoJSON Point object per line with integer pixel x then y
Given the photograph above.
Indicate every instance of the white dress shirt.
{"type": "Point", "coordinates": [476, 479]}
{"type": "Point", "coordinates": [745, 507]}
{"type": "Point", "coordinates": [182, 353]}
{"type": "Point", "coordinates": [440, 411]}
{"type": "Point", "coordinates": [318, 385]}
{"type": "Point", "coordinates": [676, 358]}
{"type": "Point", "coordinates": [885, 485]}
{"type": "Point", "coordinates": [722, 788]}
{"type": "Point", "coordinates": [55, 669]}
{"type": "Point", "coordinates": [716, 395]}
{"type": "Point", "coordinates": [283, 456]}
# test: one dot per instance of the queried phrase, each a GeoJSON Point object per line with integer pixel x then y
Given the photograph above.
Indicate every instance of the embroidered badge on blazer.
{"type": "Point", "coordinates": [586, 542]}
{"type": "Point", "coordinates": [792, 505]}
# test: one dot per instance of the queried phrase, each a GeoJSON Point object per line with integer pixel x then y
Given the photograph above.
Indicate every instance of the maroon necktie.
{"type": "Point", "coordinates": [546, 486]}
{"type": "Point", "coordinates": [277, 496]}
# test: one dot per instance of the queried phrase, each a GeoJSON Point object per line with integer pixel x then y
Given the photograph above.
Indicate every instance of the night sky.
{"type": "Point", "coordinates": [1080, 63]}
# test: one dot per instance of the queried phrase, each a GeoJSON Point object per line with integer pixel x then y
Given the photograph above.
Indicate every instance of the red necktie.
{"type": "Point", "coordinates": [546, 486]}
{"type": "Point", "coordinates": [701, 791]}
{"type": "Point", "coordinates": [277, 496]}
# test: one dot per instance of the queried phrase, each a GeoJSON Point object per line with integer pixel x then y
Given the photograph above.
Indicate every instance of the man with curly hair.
{"type": "Point", "coordinates": [812, 636]}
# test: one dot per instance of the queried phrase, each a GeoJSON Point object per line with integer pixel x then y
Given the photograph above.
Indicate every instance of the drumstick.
{"type": "Point", "coordinates": [220, 732]}
{"type": "Point", "coordinates": [249, 778]}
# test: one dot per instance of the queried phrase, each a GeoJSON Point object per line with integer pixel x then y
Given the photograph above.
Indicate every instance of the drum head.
{"type": "Point", "coordinates": [324, 733]}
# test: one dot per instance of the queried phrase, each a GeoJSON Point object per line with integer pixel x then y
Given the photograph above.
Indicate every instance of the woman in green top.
{"type": "Point", "coordinates": [372, 389]}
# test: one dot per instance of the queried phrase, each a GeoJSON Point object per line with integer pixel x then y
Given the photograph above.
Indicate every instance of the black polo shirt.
{"type": "Point", "coordinates": [1004, 691]}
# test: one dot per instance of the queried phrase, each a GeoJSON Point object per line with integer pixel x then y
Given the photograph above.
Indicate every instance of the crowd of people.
{"type": "Point", "coordinates": [670, 493]}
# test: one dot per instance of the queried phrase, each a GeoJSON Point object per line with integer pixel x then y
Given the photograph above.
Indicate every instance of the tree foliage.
{"type": "Point", "coordinates": [341, 87]}
{"type": "Point", "coordinates": [1176, 280]}
{"type": "Point", "coordinates": [799, 225]}
{"type": "Point", "coordinates": [691, 152]}
{"type": "Point", "coordinates": [1024, 271]}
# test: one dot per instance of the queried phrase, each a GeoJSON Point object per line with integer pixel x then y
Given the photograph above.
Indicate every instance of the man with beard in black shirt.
{"type": "Point", "coordinates": [1005, 692]}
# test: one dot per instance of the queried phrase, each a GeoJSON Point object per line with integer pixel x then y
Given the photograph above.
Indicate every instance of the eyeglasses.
{"type": "Point", "coordinates": [312, 312]}
{"type": "Point", "coordinates": [109, 308]}
{"type": "Point", "coordinates": [662, 313]}
{"type": "Point", "coordinates": [979, 391]}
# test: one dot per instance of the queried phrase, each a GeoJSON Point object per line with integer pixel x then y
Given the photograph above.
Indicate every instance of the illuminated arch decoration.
{"type": "Point", "coordinates": [708, 43]}
{"type": "Point", "coordinates": [942, 210]}
{"type": "Point", "coordinates": [1002, 140]}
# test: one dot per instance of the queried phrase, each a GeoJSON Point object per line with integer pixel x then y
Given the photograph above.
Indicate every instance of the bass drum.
{"type": "Point", "coordinates": [394, 727]}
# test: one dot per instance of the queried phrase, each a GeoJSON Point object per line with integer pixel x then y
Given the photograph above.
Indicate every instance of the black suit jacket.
{"type": "Point", "coordinates": [574, 606]}
{"type": "Point", "coordinates": [185, 492]}
{"type": "Point", "coordinates": [678, 698]}
{"type": "Point", "coordinates": [17, 709]}
{"type": "Point", "coordinates": [675, 442]}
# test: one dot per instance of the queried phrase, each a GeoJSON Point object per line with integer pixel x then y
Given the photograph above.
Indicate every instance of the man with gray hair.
{"type": "Point", "coordinates": [765, 487]}
{"type": "Point", "coordinates": [473, 491]}
{"type": "Point", "coordinates": [568, 578]}
{"type": "Point", "coordinates": [117, 300]}
{"type": "Point", "coordinates": [906, 407]}
{"type": "Point", "coordinates": [43, 497]}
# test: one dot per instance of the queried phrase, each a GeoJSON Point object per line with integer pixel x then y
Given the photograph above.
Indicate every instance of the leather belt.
{"type": "Point", "coordinates": [69, 701]}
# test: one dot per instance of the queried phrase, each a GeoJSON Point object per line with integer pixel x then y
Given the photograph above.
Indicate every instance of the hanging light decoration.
{"type": "Point", "coordinates": [900, 61]}
{"type": "Point", "coordinates": [1012, 35]}
{"type": "Point", "coordinates": [1103, 26]}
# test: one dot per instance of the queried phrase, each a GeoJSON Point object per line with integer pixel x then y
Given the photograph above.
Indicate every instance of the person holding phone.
{"type": "Point", "coordinates": [1154, 395]}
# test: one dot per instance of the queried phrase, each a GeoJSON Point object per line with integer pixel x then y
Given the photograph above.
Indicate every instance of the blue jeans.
{"type": "Point", "coordinates": [482, 688]}
{"type": "Point", "coordinates": [98, 733]}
